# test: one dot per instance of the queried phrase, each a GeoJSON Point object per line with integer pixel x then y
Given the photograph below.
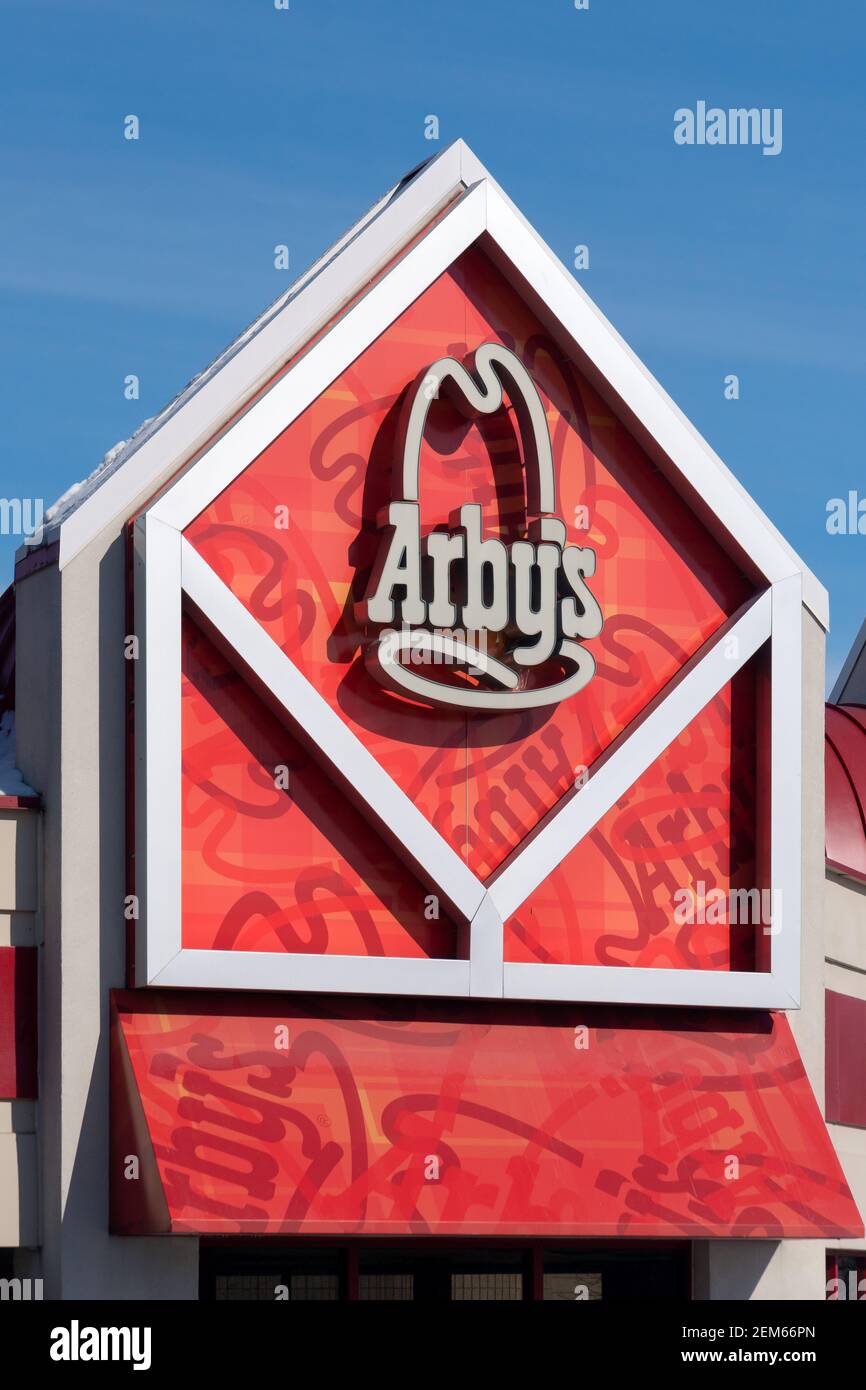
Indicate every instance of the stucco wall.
{"type": "Point", "coordinates": [71, 746]}
{"type": "Point", "coordinates": [845, 935]}
{"type": "Point", "coordinates": [807, 1022]}
{"type": "Point", "coordinates": [845, 972]}
{"type": "Point", "coordinates": [759, 1270]}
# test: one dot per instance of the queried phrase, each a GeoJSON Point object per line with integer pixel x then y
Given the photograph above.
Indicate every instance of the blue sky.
{"type": "Point", "coordinates": [261, 127]}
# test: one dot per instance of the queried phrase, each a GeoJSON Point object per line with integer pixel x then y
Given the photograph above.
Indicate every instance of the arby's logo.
{"type": "Point", "coordinates": [457, 619]}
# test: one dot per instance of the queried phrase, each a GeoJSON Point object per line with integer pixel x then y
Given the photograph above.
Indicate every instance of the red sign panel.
{"type": "Point", "coordinates": [295, 538]}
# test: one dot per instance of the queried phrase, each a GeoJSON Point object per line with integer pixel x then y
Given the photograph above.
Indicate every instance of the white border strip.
{"type": "Point", "coordinates": [616, 772]}
{"type": "Point", "coordinates": [786, 784]}
{"type": "Point", "coordinates": [486, 953]}
{"type": "Point", "coordinates": [158, 878]}
{"type": "Point", "coordinates": [628, 984]}
{"type": "Point", "coordinates": [274, 970]}
{"type": "Point", "coordinates": [420, 844]}
{"type": "Point", "coordinates": [323, 363]}
{"type": "Point", "coordinates": [263, 349]}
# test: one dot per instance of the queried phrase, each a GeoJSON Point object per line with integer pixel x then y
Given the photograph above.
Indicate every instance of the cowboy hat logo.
{"type": "Point", "coordinates": [450, 591]}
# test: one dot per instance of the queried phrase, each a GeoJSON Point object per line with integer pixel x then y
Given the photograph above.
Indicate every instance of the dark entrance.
{"type": "Point", "coordinates": [436, 1271]}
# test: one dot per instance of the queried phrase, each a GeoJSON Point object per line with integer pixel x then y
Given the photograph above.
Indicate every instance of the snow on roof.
{"type": "Point", "coordinates": [11, 781]}
{"type": "Point", "coordinates": [75, 495]}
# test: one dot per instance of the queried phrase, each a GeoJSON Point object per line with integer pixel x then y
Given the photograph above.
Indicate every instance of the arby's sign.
{"type": "Point", "coordinates": [491, 626]}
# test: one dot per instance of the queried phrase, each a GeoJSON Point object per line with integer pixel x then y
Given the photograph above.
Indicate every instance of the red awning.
{"type": "Point", "coordinates": [283, 1116]}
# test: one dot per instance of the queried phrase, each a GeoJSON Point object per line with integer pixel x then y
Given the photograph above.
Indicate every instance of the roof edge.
{"type": "Point", "coordinates": [264, 346]}
{"type": "Point", "coordinates": [848, 665]}
{"type": "Point", "coordinates": [200, 411]}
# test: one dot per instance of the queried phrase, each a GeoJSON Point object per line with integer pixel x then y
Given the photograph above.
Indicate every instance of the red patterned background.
{"type": "Point", "coordinates": [295, 869]}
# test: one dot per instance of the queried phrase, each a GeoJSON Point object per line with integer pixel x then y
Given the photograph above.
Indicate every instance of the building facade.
{"type": "Point", "coordinates": [418, 824]}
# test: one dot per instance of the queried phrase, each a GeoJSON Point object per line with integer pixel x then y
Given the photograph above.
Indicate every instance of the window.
{"type": "Point", "coordinates": [389, 1288]}
{"type": "Point", "coordinates": [846, 1276]}
{"type": "Point", "coordinates": [572, 1288]}
{"type": "Point", "coordinates": [441, 1271]}
{"type": "Point", "coordinates": [245, 1288]}
{"type": "Point", "coordinates": [271, 1275]}
{"type": "Point", "coordinates": [581, 1274]}
{"type": "Point", "coordinates": [489, 1287]}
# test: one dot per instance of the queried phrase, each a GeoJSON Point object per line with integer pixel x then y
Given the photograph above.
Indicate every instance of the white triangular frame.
{"type": "Point", "coordinates": [170, 574]}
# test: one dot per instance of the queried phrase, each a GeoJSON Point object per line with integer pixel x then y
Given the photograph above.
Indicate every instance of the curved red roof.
{"type": "Point", "coordinates": [845, 788]}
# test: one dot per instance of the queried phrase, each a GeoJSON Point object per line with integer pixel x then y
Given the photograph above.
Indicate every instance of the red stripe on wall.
{"type": "Point", "coordinates": [18, 1023]}
{"type": "Point", "coordinates": [845, 1059]}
